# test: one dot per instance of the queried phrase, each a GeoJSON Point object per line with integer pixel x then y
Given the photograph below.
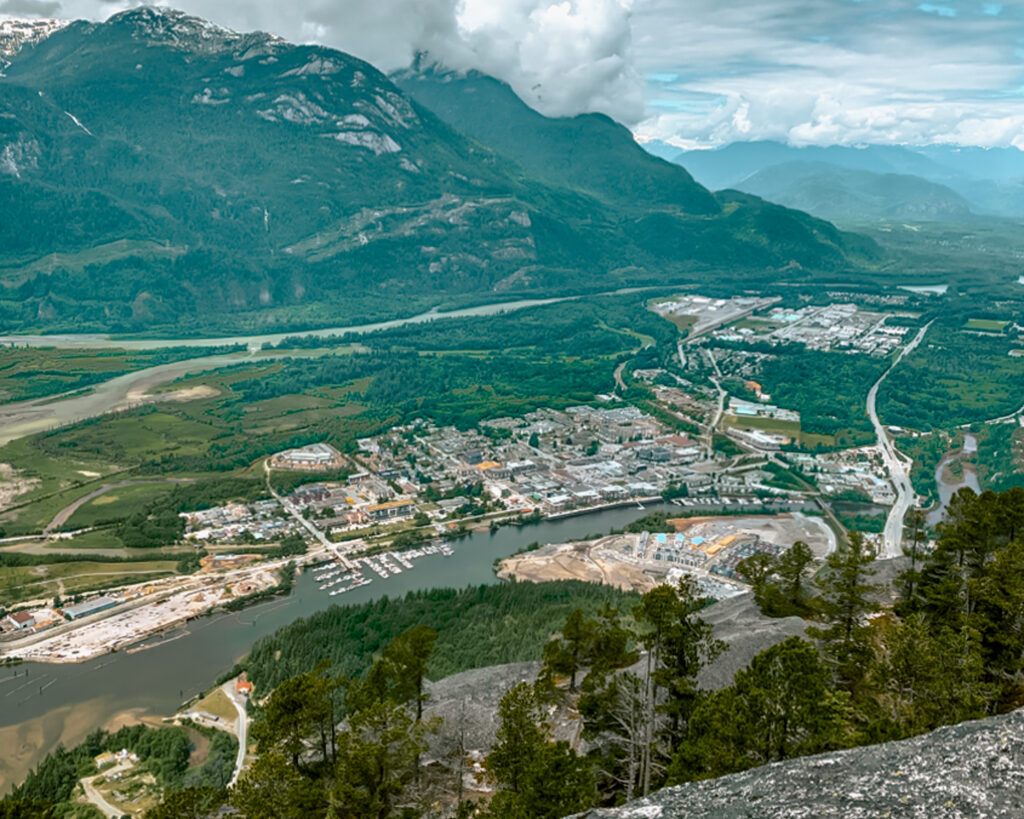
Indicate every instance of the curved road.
{"type": "Point", "coordinates": [241, 729]}
{"type": "Point", "coordinates": [895, 461]}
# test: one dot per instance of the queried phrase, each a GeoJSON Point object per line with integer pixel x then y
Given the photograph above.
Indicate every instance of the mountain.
{"type": "Point", "coordinates": [728, 166]}
{"type": "Point", "coordinates": [15, 34]}
{"type": "Point", "coordinates": [589, 152]}
{"type": "Point", "coordinates": [158, 172]}
{"type": "Point", "coordinates": [990, 181]}
{"type": "Point", "coordinates": [850, 195]}
{"type": "Point", "coordinates": [666, 208]}
{"type": "Point", "coordinates": [974, 769]}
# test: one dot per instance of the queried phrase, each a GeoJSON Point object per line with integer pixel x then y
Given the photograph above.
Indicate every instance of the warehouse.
{"type": "Point", "coordinates": [80, 610]}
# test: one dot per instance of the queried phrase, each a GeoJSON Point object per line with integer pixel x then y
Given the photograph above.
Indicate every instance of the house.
{"type": "Point", "coordinates": [104, 759]}
{"type": "Point", "coordinates": [21, 619]}
{"type": "Point", "coordinates": [243, 686]}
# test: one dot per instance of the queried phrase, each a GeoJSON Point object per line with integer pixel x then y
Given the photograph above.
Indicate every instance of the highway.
{"type": "Point", "coordinates": [895, 461]}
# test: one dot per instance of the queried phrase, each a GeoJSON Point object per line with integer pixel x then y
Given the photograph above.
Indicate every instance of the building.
{"type": "Point", "coordinates": [21, 619]}
{"type": "Point", "coordinates": [105, 759]}
{"type": "Point", "coordinates": [243, 686]}
{"type": "Point", "coordinates": [93, 606]}
{"type": "Point", "coordinates": [315, 457]}
{"type": "Point", "coordinates": [391, 509]}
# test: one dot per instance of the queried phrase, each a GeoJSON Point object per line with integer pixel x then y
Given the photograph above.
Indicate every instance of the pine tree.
{"type": "Point", "coordinates": [845, 603]}
{"type": "Point", "coordinates": [540, 779]}
{"type": "Point", "coordinates": [792, 571]}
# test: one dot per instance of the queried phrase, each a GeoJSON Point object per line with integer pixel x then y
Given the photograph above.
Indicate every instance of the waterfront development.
{"type": "Point", "coordinates": [423, 443]}
{"type": "Point", "coordinates": [740, 457]}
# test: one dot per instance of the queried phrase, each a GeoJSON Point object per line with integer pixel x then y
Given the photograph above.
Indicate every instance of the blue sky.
{"type": "Point", "coordinates": [695, 73]}
{"type": "Point", "coordinates": [831, 71]}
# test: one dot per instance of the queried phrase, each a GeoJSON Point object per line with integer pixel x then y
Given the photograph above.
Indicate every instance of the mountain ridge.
{"type": "Point", "coordinates": [221, 180]}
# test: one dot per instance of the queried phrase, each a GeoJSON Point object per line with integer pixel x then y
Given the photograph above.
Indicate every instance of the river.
{"type": "Point", "coordinates": [42, 705]}
{"type": "Point", "coordinates": [949, 488]}
{"type": "Point", "coordinates": [37, 415]}
{"type": "Point", "coordinates": [89, 341]}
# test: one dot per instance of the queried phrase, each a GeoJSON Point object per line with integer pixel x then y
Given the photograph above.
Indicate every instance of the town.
{"type": "Point", "coordinates": [372, 511]}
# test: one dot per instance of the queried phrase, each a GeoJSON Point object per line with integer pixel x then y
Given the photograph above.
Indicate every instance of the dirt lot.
{"type": "Point", "coordinates": [574, 561]}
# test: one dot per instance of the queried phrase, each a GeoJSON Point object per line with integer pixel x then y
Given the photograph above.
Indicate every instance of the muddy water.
{"type": "Point", "coordinates": [949, 485]}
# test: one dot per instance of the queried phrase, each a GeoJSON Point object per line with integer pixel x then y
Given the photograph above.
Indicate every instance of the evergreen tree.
{"type": "Point", "coordinates": [519, 739]}
{"type": "Point", "coordinates": [540, 779]}
{"type": "Point", "coordinates": [571, 650]}
{"type": "Point", "coordinates": [926, 677]}
{"type": "Point", "coordinates": [845, 602]}
{"type": "Point", "coordinates": [273, 788]}
{"type": "Point", "coordinates": [781, 706]}
{"type": "Point", "coordinates": [679, 644]}
{"type": "Point", "coordinates": [378, 760]}
{"type": "Point", "coordinates": [792, 569]}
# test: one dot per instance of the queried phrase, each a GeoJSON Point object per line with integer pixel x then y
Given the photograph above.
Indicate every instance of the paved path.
{"type": "Point", "coordinates": [65, 514]}
{"type": "Point", "coordinates": [895, 461]}
{"type": "Point", "coordinates": [241, 727]}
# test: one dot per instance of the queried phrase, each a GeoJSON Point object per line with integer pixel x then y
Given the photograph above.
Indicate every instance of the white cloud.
{"type": "Point", "coordinates": [832, 71]}
{"type": "Point", "coordinates": [562, 56]}
{"type": "Point", "coordinates": [844, 71]}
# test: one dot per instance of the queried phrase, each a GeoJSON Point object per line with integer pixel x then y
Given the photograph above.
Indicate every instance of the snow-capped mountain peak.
{"type": "Point", "coordinates": [16, 33]}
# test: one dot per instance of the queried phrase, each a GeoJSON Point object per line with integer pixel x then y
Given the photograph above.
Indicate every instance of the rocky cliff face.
{"type": "Point", "coordinates": [975, 769]}
{"type": "Point", "coordinates": [15, 34]}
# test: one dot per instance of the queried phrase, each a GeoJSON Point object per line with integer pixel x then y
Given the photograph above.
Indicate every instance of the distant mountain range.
{"type": "Point", "coordinates": [158, 172]}
{"type": "Point", "coordinates": [933, 183]}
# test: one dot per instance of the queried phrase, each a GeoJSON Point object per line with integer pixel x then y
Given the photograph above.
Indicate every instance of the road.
{"type": "Point", "coordinates": [618, 376]}
{"type": "Point", "coordinates": [241, 727]}
{"type": "Point", "coordinates": [65, 514]}
{"type": "Point", "coordinates": [96, 798]}
{"type": "Point", "coordinates": [895, 461]}
{"type": "Point", "coordinates": [321, 538]}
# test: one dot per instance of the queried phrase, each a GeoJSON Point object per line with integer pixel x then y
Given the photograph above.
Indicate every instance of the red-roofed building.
{"type": "Point", "coordinates": [21, 619]}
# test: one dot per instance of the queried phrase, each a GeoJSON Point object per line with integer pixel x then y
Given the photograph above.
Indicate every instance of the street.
{"type": "Point", "coordinates": [896, 463]}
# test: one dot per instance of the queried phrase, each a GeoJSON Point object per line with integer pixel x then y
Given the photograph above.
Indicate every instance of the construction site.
{"type": "Point", "coordinates": [706, 548]}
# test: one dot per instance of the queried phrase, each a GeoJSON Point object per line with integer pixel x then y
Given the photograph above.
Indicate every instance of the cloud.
{"type": "Point", "coordinates": [562, 56]}
{"type": "Point", "coordinates": [30, 8]}
{"type": "Point", "coordinates": [695, 72]}
{"type": "Point", "coordinates": [832, 71]}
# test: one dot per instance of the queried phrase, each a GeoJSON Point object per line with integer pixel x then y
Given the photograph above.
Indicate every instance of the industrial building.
{"type": "Point", "coordinates": [93, 606]}
{"type": "Point", "coordinates": [315, 457]}
{"type": "Point", "coordinates": [21, 619]}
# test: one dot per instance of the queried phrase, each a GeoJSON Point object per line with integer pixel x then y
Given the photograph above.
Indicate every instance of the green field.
{"type": "Point", "coordinates": [790, 429]}
{"type": "Point", "coordinates": [758, 325]}
{"type": "Point", "coordinates": [116, 504]}
{"type": "Point", "coordinates": [986, 325]}
{"type": "Point", "coordinates": [953, 378]}
{"type": "Point", "coordinates": [65, 579]}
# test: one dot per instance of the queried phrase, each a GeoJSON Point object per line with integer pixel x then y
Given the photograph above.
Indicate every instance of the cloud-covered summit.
{"type": "Point", "coordinates": [692, 72]}
{"type": "Point", "coordinates": [561, 56]}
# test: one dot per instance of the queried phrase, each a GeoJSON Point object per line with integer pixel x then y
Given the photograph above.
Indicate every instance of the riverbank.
{"type": "Point", "coordinates": [65, 701]}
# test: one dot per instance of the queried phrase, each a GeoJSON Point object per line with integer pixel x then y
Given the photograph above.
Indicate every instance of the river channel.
{"type": "Point", "coordinates": [103, 342]}
{"type": "Point", "coordinates": [949, 488]}
{"type": "Point", "coordinates": [42, 705]}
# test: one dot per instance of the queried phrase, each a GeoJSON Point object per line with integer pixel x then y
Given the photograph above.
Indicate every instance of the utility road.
{"type": "Point", "coordinates": [895, 461]}
{"type": "Point", "coordinates": [242, 727]}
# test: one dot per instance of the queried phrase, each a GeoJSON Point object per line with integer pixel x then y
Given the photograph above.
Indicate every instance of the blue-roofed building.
{"type": "Point", "coordinates": [98, 604]}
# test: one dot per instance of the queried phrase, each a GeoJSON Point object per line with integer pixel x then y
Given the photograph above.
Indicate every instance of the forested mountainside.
{"type": "Point", "coordinates": [157, 171]}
